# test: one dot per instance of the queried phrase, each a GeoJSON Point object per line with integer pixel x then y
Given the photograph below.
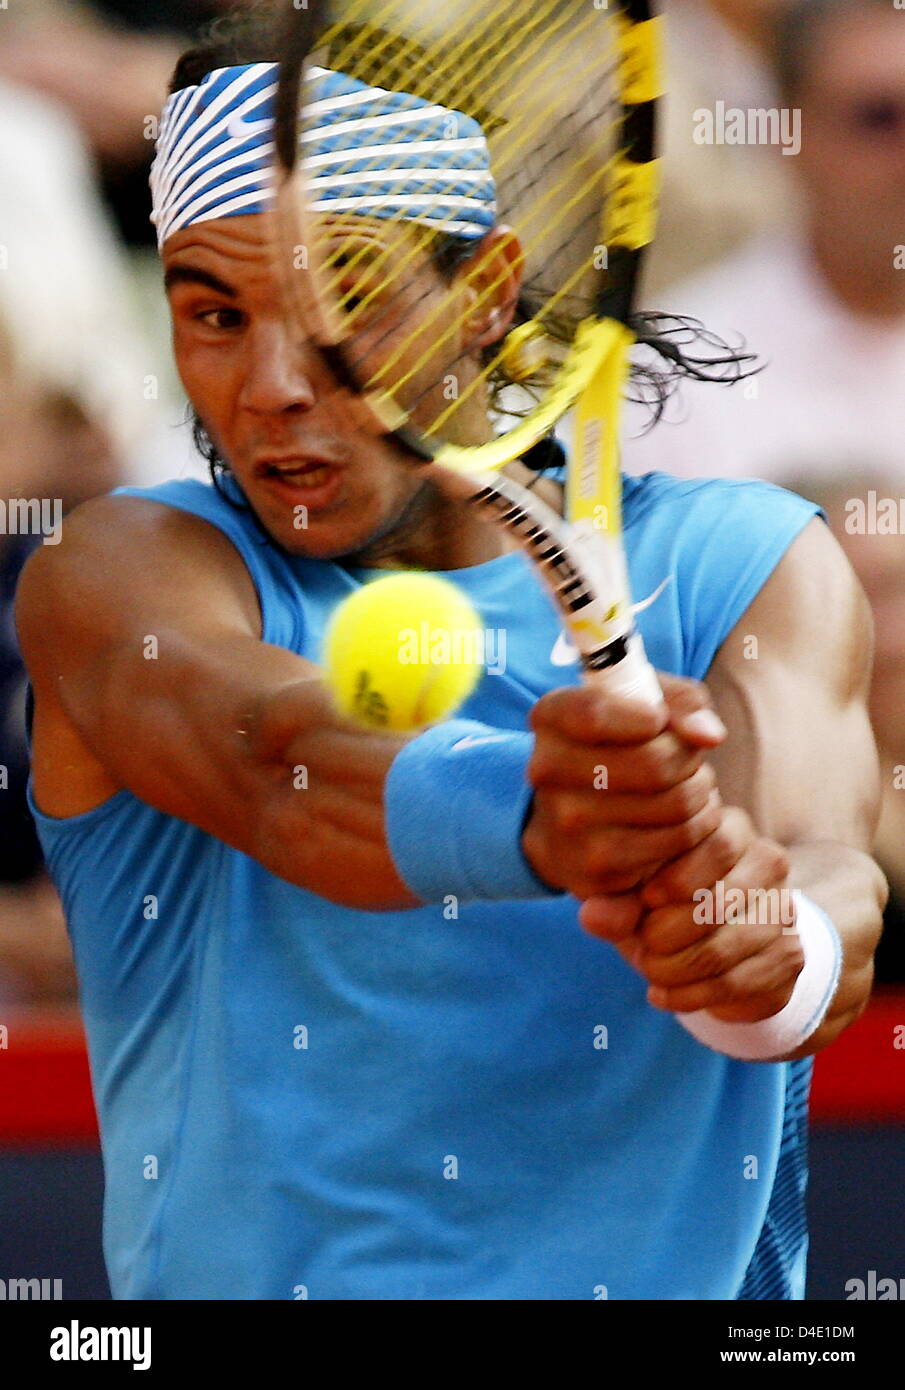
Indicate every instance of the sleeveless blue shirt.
{"type": "Point", "coordinates": [300, 1100]}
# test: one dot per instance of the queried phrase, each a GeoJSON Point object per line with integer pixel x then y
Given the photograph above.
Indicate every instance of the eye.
{"type": "Point", "coordinates": [222, 319]}
{"type": "Point", "coordinates": [352, 279]}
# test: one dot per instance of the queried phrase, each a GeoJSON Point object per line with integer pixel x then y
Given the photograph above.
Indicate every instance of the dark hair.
{"type": "Point", "coordinates": [672, 342]}
{"type": "Point", "coordinates": [796, 31]}
{"type": "Point", "coordinates": [250, 33]}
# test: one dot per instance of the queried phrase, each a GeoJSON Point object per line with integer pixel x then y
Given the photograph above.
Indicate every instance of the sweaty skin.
{"type": "Point", "coordinates": [211, 730]}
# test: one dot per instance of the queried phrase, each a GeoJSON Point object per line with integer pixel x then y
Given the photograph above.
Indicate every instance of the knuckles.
{"type": "Point", "coordinates": [777, 865]}
{"type": "Point", "coordinates": [692, 795]}
{"type": "Point", "coordinates": [654, 765]}
{"type": "Point", "coordinates": [696, 828]}
{"type": "Point", "coordinates": [543, 766]}
{"type": "Point", "coordinates": [572, 817]}
{"type": "Point", "coordinates": [714, 956]}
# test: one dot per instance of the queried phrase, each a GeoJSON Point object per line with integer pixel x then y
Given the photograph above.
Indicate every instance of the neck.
{"type": "Point", "coordinates": [434, 532]}
{"type": "Point", "coordinates": [871, 289]}
{"type": "Point", "coordinates": [437, 532]}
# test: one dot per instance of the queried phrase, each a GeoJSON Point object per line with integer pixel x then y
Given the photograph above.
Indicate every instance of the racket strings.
{"type": "Point", "coordinates": [543, 314]}
{"type": "Point", "coordinates": [463, 96]}
{"type": "Point", "coordinates": [537, 208]}
{"type": "Point", "coordinates": [416, 64]}
{"type": "Point", "coordinates": [550, 301]}
{"type": "Point", "coordinates": [348, 58]}
{"type": "Point", "coordinates": [440, 75]}
{"type": "Point", "coordinates": [548, 162]}
{"type": "Point", "coordinates": [365, 67]}
{"type": "Point", "coordinates": [551, 196]}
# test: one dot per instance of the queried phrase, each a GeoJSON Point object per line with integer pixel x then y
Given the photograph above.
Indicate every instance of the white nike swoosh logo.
{"type": "Point", "coordinates": [472, 740]}
{"type": "Point", "coordinates": [646, 603]}
{"type": "Point", "coordinates": [564, 652]}
{"type": "Point", "coordinates": [241, 129]}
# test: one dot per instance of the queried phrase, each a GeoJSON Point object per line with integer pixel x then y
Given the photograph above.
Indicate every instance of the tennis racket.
{"type": "Point", "coordinates": [470, 370]}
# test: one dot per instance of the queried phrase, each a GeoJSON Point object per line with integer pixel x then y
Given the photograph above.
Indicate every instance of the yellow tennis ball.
{"type": "Point", "coordinates": [403, 652]}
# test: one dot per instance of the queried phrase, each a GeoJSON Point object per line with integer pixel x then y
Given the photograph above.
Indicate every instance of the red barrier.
{"type": "Point", "coordinates": [861, 1078]}
{"type": "Point", "coordinates": [45, 1088]}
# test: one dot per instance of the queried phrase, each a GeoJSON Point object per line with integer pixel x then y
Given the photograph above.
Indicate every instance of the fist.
{"type": "Point", "coordinates": [620, 789]}
{"type": "Point", "coordinates": [714, 929]}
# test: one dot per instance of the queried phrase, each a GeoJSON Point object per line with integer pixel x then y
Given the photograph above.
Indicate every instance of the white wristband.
{"type": "Point", "coordinates": [788, 1030]}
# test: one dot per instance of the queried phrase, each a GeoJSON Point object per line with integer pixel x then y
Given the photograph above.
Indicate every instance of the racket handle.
{"type": "Point", "coordinates": [633, 676]}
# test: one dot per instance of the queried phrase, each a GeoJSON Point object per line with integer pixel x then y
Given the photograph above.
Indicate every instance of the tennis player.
{"type": "Point", "coordinates": [437, 1017]}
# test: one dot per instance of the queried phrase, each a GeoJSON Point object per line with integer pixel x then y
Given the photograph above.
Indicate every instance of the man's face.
{"type": "Point", "coordinates": [321, 482]}
{"type": "Point", "coordinates": [853, 150]}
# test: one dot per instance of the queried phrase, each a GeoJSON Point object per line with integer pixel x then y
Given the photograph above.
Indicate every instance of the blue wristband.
{"type": "Point", "coordinates": [456, 800]}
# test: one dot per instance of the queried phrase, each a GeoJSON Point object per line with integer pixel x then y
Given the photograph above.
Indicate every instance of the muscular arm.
{"type": "Point", "coordinates": [797, 775]}
{"type": "Point", "coordinates": [141, 633]}
{"type": "Point", "coordinates": [800, 757]}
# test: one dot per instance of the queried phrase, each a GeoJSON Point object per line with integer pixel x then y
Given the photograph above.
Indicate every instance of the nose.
{"type": "Point", "coordinates": [280, 371]}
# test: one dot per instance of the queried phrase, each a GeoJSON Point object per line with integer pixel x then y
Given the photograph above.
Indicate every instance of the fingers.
{"type": "Point", "coordinates": [733, 948]}
{"type": "Point", "coordinates": [586, 714]}
{"type": "Point", "coordinates": [591, 714]}
{"type": "Point", "coordinates": [613, 917]}
{"type": "Point", "coordinates": [615, 859]}
{"type": "Point", "coordinates": [580, 811]}
{"type": "Point", "coordinates": [648, 846]}
{"type": "Point", "coordinates": [691, 712]}
{"type": "Point", "coordinates": [715, 859]}
{"type": "Point", "coordinates": [619, 791]}
{"type": "Point", "coordinates": [757, 987]}
{"type": "Point", "coordinates": [649, 767]}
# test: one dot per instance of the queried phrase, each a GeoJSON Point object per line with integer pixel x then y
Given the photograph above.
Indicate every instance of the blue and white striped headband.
{"type": "Point", "coordinates": [379, 153]}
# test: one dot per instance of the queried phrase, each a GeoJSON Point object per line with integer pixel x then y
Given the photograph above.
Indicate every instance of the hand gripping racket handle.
{"type": "Point", "coordinates": [602, 626]}
{"type": "Point", "coordinates": [633, 676]}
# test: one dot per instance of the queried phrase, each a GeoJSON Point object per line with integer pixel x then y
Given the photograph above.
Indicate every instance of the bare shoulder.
{"type": "Point", "coordinates": [121, 558]}
{"type": "Point", "coordinates": [791, 682]}
{"type": "Point", "coordinates": [811, 614]}
{"type": "Point", "coordinates": [124, 567]}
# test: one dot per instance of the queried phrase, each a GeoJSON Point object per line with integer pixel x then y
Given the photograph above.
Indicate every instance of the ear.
{"type": "Point", "coordinates": [493, 278]}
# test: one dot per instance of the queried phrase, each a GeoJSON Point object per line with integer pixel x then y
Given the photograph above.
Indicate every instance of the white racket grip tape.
{"type": "Point", "coordinates": [633, 677]}
{"type": "Point", "coordinates": [787, 1031]}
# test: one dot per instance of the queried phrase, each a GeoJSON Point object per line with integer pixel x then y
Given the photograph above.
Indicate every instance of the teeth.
{"type": "Point", "coordinates": [313, 477]}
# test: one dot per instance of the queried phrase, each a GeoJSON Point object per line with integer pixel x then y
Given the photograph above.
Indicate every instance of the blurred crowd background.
{"type": "Point", "coordinates": [798, 254]}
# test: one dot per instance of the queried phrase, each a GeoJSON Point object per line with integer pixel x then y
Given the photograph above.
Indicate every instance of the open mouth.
{"type": "Point", "coordinates": [315, 483]}
{"type": "Point", "coordinates": [300, 472]}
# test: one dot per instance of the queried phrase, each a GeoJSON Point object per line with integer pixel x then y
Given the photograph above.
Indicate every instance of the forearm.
{"type": "Point", "coordinates": [170, 693]}
{"type": "Point", "coordinates": [239, 738]}
{"type": "Point", "coordinates": [425, 819]}
{"type": "Point", "coordinates": [851, 890]}
{"type": "Point", "coordinates": [266, 764]}
{"type": "Point", "coordinates": [325, 822]}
